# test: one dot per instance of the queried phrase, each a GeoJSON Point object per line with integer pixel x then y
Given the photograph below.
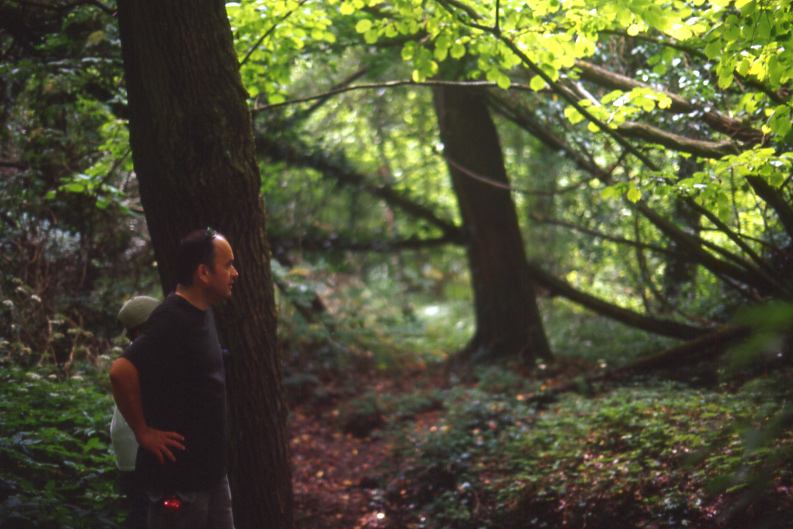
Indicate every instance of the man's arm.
{"type": "Point", "coordinates": [126, 392]}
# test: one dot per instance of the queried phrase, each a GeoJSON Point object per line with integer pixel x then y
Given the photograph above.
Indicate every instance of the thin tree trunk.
{"type": "Point", "coordinates": [508, 322]}
{"type": "Point", "coordinates": [194, 157]}
{"type": "Point", "coordinates": [680, 272]}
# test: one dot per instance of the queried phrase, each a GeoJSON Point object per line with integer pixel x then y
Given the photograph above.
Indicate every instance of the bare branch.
{"type": "Point", "coordinates": [640, 321]}
{"type": "Point", "coordinates": [381, 85]}
{"type": "Point", "coordinates": [502, 185]}
{"type": "Point", "coordinates": [301, 156]}
{"type": "Point", "coordinates": [327, 242]}
{"type": "Point", "coordinates": [700, 148]}
{"type": "Point", "coordinates": [605, 236]}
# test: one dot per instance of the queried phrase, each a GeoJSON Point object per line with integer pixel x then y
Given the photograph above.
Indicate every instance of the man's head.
{"type": "Point", "coordinates": [205, 261]}
{"type": "Point", "coordinates": [134, 314]}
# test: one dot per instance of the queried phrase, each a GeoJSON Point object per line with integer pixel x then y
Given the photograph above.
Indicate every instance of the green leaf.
{"type": "Point", "coordinates": [95, 38]}
{"type": "Point", "coordinates": [633, 193]}
{"type": "Point", "coordinates": [73, 188]}
{"type": "Point", "coordinates": [363, 25]}
{"type": "Point", "coordinates": [573, 115]}
{"type": "Point", "coordinates": [92, 443]}
{"type": "Point", "coordinates": [537, 83]}
{"type": "Point", "coordinates": [408, 50]}
{"type": "Point", "coordinates": [458, 50]}
{"type": "Point", "coordinates": [608, 193]}
{"type": "Point", "coordinates": [503, 81]}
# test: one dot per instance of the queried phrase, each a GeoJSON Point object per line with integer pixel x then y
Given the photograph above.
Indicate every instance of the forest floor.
{"type": "Point", "coordinates": [347, 480]}
{"type": "Point", "coordinates": [337, 474]}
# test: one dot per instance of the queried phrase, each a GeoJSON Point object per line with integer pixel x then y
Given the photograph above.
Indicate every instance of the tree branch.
{"type": "Point", "coordinates": [700, 148]}
{"type": "Point", "coordinates": [744, 273]}
{"type": "Point", "coordinates": [380, 85]}
{"type": "Point", "coordinates": [14, 164]}
{"type": "Point", "coordinates": [764, 268]}
{"type": "Point", "coordinates": [559, 89]}
{"type": "Point", "coordinates": [301, 156]}
{"type": "Point", "coordinates": [605, 236]}
{"type": "Point", "coordinates": [774, 96]}
{"type": "Point", "coordinates": [773, 198]}
{"type": "Point", "coordinates": [668, 328]}
{"type": "Point", "coordinates": [267, 33]}
{"type": "Point", "coordinates": [300, 116]}
{"type": "Point", "coordinates": [718, 122]}
{"type": "Point", "coordinates": [323, 243]}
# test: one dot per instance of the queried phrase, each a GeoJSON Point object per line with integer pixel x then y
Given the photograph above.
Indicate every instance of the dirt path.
{"type": "Point", "coordinates": [330, 473]}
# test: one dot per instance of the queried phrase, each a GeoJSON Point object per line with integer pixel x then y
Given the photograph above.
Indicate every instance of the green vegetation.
{"type": "Point", "coordinates": [57, 467]}
{"type": "Point", "coordinates": [648, 154]}
{"type": "Point", "coordinates": [648, 452]}
{"type": "Point", "coordinates": [494, 449]}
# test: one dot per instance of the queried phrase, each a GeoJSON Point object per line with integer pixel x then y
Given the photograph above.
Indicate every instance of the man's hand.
{"type": "Point", "coordinates": [158, 443]}
{"type": "Point", "coordinates": [126, 391]}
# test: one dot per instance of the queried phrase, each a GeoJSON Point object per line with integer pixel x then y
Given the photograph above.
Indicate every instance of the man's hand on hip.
{"type": "Point", "coordinates": [158, 443]}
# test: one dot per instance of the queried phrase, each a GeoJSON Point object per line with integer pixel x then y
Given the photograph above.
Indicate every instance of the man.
{"type": "Point", "coordinates": [133, 315]}
{"type": "Point", "coordinates": [170, 387]}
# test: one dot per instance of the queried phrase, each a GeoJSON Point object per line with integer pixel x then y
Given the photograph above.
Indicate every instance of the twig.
{"type": "Point", "coordinates": [267, 33]}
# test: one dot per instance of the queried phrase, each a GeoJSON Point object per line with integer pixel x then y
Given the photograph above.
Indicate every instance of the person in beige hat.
{"type": "Point", "coordinates": [132, 316]}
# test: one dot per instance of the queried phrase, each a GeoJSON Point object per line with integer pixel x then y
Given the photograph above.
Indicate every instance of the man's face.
{"type": "Point", "coordinates": [220, 280]}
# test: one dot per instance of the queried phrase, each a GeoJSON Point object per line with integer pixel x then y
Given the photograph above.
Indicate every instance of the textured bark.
{"type": "Point", "coordinates": [508, 322]}
{"type": "Point", "coordinates": [194, 157]}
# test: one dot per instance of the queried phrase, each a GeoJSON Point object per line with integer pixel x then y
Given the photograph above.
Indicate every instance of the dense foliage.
{"type": "Point", "coordinates": [58, 470]}
{"type": "Point", "coordinates": [648, 148]}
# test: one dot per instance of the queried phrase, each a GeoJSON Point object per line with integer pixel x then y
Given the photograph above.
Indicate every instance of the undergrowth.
{"type": "Point", "coordinates": [647, 454]}
{"type": "Point", "coordinates": [57, 467]}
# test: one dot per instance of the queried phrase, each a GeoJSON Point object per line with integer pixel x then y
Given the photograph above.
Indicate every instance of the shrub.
{"type": "Point", "coordinates": [58, 470]}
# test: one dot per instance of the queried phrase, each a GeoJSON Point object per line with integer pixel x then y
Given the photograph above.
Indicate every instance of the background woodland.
{"type": "Point", "coordinates": [531, 261]}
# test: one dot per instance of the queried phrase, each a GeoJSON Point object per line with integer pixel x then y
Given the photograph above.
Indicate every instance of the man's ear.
{"type": "Point", "coordinates": [202, 272]}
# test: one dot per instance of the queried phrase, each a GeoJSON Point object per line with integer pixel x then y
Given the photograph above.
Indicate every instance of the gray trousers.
{"type": "Point", "coordinates": [198, 510]}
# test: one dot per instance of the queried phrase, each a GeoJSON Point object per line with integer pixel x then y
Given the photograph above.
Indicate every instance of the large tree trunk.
{"type": "Point", "coordinates": [508, 322]}
{"type": "Point", "coordinates": [192, 145]}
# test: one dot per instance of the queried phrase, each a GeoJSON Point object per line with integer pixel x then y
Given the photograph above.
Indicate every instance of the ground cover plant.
{"type": "Point", "coordinates": [641, 454]}
{"type": "Point", "coordinates": [694, 447]}
{"type": "Point", "coordinates": [390, 441]}
{"type": "Point", "coordinates": [57, 468]}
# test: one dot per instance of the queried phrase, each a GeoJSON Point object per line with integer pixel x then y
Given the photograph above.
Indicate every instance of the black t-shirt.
{"type": "Point", "coordinates": [183, 389]}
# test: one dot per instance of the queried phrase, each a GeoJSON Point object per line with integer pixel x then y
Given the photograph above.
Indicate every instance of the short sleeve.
{"type": "Point", "coordinates": [153, 351]}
